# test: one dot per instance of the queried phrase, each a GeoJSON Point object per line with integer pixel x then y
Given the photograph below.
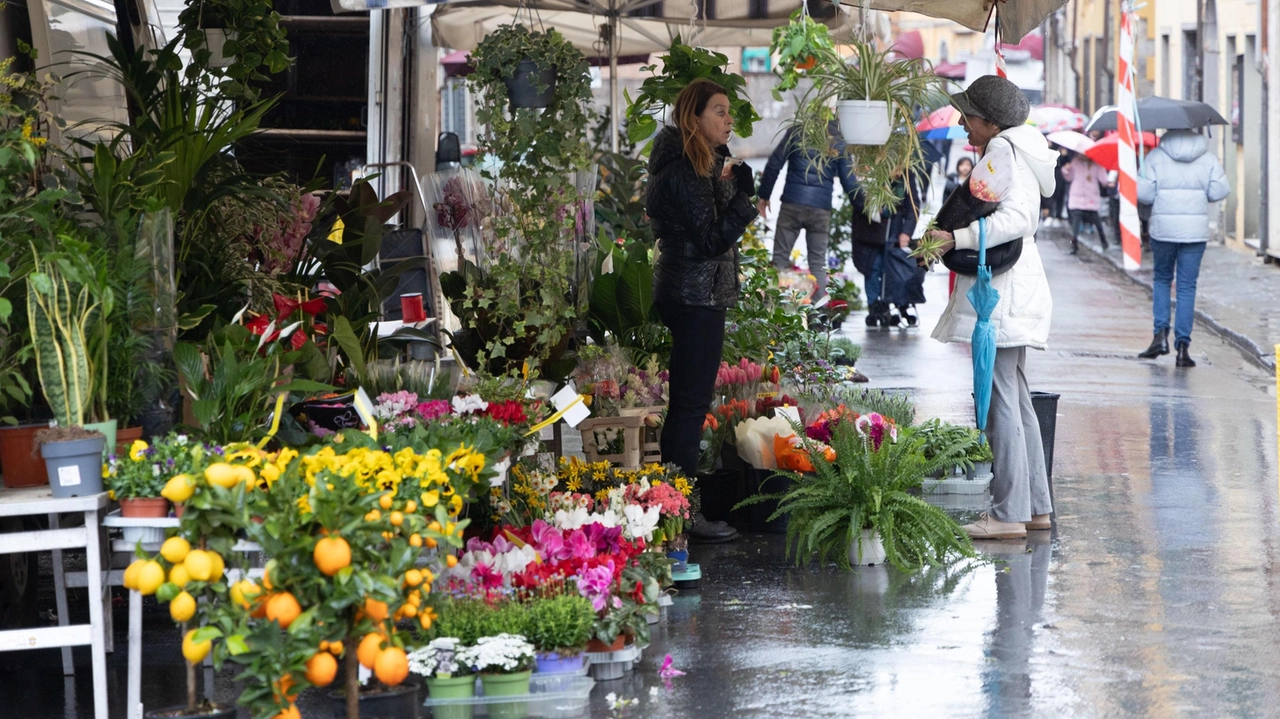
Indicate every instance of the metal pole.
{"type": "Point", "coordinates": [614, 106]}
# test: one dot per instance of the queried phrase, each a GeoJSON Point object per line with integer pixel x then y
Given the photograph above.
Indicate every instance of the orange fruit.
{"type": "Point", "coordinates": [368, 650]}
{"type": "Point", "coordinates": [413, 578]}
{"type": "Point", "coordinates": [397, 519]}
{"type": "Point", "coordinates": [266, 575]}
{"type": "Point", "coordinates": [283, 608]}
{"type": "Point", "coordinates": [373, 516]}
{"type": "Point", "coordinates": [409, 611]}
{"type": "Point", "coordinates": [431, 543]}
{"type": "Point", "coordinates": [392, 666]}
{"type": "Point", "coordinates": [331, 555]}
{"type": "Point", "coordinates": [283, 687]}
{"type": "Point", "coordinates": [376, 610]}
{"type": "Point", "coordinates": [410, 507]}
{"type": "Point", "coordinates": [321, 669]}
{"type": "Point", "coordinates": [290, 713]}
{"type": "Point", "coordinates": [415, 540]}
{"type": "Point", "coordinates": [452, 561]}
{"type": "Point", "coordinates": [434, 526]}
{"type": "Point", "coordinates": [335, 648]}
{"type": "Point", "coordinates": [385, 501]}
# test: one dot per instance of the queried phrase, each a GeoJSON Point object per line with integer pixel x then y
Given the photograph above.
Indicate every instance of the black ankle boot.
{"type": "Point", "coordinates": [1075, 246]}
{"type": "Point", "coordinates": [1159, 345]}
{"type": "Point", "coordinates": [1184, 355]}
{"type": "Point", "coordinates": [1103, 240]}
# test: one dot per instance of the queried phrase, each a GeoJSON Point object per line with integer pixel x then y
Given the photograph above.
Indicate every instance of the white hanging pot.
{"type": "Point", "coordinates": [872, 550]}
{"type": "Point", "coordinates": [215, 38]}
{"type": "Point", "coordinates": [864, 122]}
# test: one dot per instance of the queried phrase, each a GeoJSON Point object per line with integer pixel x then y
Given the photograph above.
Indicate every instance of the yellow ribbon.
{"type": "Point", "coordinates": [275, 420]}
{"type": "Point", "coordinates": [555, 417]}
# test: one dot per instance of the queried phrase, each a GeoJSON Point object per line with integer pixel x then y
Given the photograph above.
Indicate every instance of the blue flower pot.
{"type": "Point", "coordinates": [553, 663]}
{"type": "Point", "coordinates": [681, 559]}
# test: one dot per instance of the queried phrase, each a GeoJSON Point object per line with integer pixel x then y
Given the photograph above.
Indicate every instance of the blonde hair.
{"type": "Point", "coordinates": [691, 103]}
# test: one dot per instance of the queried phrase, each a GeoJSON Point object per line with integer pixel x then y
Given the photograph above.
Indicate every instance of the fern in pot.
{"type": "Point", "coordinates": [876, 98]}
{"type": "Point", "coordinates": [858, 508]}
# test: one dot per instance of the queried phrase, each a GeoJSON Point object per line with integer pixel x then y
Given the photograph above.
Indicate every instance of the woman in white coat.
{"type": "Point", "coordinates": [995, 112]}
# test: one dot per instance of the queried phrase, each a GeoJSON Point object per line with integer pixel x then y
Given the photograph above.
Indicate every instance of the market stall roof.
{"type": "Point", "coordinates": [1017, 17]}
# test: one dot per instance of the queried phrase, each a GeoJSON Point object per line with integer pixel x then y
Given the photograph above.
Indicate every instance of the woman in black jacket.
{"type": "Point", "coordinates": [699, 204]}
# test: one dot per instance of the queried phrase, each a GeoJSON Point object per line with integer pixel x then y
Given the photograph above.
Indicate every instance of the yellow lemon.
{"type": "Point", "coordinates": [131, 573]}
{"type": "Point", "coordinates": [175, 549]}
{"type": "Point", "coordinates": [179, 488]}
{"type": "Point", "coordinates": [150, 577]}
{"type": "Point", "coordinates": [195, 652]}
{"type": "Point", "coordinates": [244, 592]}
{"type": "Point", "coordinates": [179, 575]}
{"type": "Point", "coordinates": [183, 607]}
{"type": "Point", "coordinates": [199, 565]}
{"type": "Point", "coordinates": [218, 565]}
{"type": "Point", "coordinates": [222, 475]}
{"type": "Point", "coordinates": [245, 475]}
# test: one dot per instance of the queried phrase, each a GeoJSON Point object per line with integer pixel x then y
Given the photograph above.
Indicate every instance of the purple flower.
{"type": "Point", "coordinates": [606, 540]}
{"type": "Point", "coordinates": [594, 584]}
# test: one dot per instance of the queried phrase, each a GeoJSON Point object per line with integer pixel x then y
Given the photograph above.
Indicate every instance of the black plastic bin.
{"type": "Point", "coordinates": [1046, 406]}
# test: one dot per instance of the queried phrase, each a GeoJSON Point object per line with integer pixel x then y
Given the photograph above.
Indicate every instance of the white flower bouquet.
{"type": "Point", "coordinates": [440, 659]}
{"type": "Point", "coordinates": [501, 654]}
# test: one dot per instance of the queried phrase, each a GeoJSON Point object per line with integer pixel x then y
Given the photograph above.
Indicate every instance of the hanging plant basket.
{"type": "Point", "coordinates": [864, 122]}
{"type": "Point", "coordinates": [215, 40]}
{"type": "Point", "coordinates": [531, 87]}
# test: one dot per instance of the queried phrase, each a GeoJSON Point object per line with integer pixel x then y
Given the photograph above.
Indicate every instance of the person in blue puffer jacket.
{"type": "Point", "coordinates": [806, 200]}
{"type": "Point", "coordinates": [1179, 179]}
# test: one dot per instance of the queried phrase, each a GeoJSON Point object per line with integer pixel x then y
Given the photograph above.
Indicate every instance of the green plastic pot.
{"type": "Point", "coordinates": [507, 685]}
{"type": "Point", "coordinates": [452, 688]}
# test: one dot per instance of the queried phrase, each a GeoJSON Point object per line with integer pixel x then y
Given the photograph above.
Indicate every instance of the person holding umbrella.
{"type": "Point", "coordinates": [995, 111]}
{"type": "Point", "coordinates": [1179, 179]}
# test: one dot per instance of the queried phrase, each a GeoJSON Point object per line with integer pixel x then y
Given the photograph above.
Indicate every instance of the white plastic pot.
{"type": "Point", "coordinates": [864, 122]}
{"type": "Point", "coordinates": [215, 39]}
{"type": "Point", "coordinates": [872, 550]}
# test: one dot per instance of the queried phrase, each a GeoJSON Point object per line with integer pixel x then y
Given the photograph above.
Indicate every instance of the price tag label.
{"type": "Point", "coordinates": [69, 476]}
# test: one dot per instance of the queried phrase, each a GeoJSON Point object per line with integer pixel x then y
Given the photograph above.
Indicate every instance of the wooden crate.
{"type": "Point", "coordinates": [631, 430]}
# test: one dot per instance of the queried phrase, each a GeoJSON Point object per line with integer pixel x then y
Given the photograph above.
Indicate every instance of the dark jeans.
{"type": "Point", "coordinates": [1180, 259]}
{"type": "Point", "coordinates": [697, 341]}
{"type": "Point", "coordinates": [1080, 217]}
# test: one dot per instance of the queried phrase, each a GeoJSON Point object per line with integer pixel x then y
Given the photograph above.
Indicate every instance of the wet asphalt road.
{"type": "Point", "coordinates": [1154, 596]}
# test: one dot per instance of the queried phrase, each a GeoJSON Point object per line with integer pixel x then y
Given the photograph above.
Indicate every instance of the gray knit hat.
{"type": "Point", "coordinates": [994, 99]}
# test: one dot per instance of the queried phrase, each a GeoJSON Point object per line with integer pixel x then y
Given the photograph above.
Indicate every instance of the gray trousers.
{"type": "Point", "coordinates": [1020, 488]}
{"type": "Point", "coordinates": [816, 224]}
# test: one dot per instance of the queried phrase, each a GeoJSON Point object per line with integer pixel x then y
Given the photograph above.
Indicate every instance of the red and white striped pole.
{"type": "Point", "coordinates": [1130, 226]}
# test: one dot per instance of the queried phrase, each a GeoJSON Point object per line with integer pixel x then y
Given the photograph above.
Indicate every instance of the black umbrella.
{"type": "Point", "coordinates": [1162, 113]}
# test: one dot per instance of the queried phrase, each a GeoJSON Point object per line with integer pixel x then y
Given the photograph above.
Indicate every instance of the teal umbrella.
{"type": "Point", "coordinates": [984, 298]}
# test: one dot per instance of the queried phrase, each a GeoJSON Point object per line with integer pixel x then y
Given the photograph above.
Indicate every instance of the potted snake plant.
{"type": "Point", "coordinates": [59, 312]}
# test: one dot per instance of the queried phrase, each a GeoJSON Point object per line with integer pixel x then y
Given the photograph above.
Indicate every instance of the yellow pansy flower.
{"type": "Point", "coordinates": [136, 449]}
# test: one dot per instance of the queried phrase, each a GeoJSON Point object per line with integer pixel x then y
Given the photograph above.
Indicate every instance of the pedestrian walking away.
{"type": "Point", "coordinates": [879, 248]}
{"type": "Point", "coordinates": [699, 203]}
{"type": "Point", "coordinates": [1179, 179]}
{"type": "Point", "coordinates": [806, 200]}
{"type": "Point", "coordinates": [995, 111]}
{"type": "Point", "coordinates": [1085, 197]}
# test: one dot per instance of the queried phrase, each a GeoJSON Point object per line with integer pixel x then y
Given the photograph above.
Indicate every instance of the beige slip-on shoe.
{"type": "Point", "coordinates": [988, 527]}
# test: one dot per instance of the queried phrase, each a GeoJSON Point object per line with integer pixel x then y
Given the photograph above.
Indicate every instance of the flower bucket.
{"type": "Point", "coordinates": [74, 467]}
{"type": "Point", "coordinates": [108, 430]}
{"type": "Point", "coordinates": [864, 122]}
{"type": "Point", "coordinates": [22, 468]}
{"type": "Point", "coordinates": [554, 663]}
{"type": "Point", "coordinates": [522, 85]}
{"type": "Point", "coordinates": [145, 508]}
{"type": "Point", "coordinates": [872, 550]}
{"type": "Point", "coordinates": [507, 685]}
{"type": "Point", "coordinates": [452, 688]}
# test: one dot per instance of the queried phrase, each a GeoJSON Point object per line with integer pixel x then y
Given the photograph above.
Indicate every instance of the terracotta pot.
{"type": "Point", "coordinates": [595, 646]}
{"type": "Point", "coordinates": [178, 509]}
{"type": "Point", "coordinates": [125, 438]}
{"type": "Point", "coordinates": [145, 508]}
{"type": "Point", "coordinates": [22, 466]}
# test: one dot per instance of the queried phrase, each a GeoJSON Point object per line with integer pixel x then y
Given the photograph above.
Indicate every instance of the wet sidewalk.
{"type": "Point", "coordinates": [1238, 296]}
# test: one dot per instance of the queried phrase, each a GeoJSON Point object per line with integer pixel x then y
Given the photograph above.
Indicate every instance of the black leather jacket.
{"type": "Point", "coordinates": [698, 222]}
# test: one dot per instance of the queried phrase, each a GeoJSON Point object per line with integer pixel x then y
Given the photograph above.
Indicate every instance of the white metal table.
{"type": "Point", "coordinates": [35, 501]}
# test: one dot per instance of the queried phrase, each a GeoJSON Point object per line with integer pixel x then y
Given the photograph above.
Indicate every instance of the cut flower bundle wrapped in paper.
{"type": "Point", "coordinates": [755, 440]}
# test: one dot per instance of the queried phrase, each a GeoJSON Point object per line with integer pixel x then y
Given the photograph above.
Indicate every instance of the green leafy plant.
{"type": "Point", "coordinates": [620, 197]}
{"type": "Point", "coordinates": [622, 299]}
{"type": "Point", "coordinates": [843, 348]}
{"type": "Point", "coordinates": [561, 623]}
{"type": "Point", "coordinates": [681, 65]}
{"type": "Point", "coordinates": [869, 487]}
{"type": "Point", "coordinates": [907, 85]}
{"type": "Point", "coordinates": [765, 316]}
{"type": "Point", "coordinates": [255, 42]}
{"type": "Point", "coordinates": [465, 619]}
{"type": "Point", "coordinates": [794, 46]}
{"type": "Point", "coordinates": [946, 439]}
{"type": "Point", "coordinates": [928, 249]}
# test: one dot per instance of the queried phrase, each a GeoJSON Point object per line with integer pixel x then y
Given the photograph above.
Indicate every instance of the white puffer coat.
{"type": "Point", "coordinates": [1179, 179]}
{"type": "Point", "coordinates": [1022, 316]}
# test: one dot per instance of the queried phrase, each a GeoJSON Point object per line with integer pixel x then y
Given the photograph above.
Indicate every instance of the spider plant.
{"type": "Point", "coordinates": [869, 487]}
{"type": "Point", "coordinates": [928, 248]}
{"type": "Point", "coordinates": [908, 86]}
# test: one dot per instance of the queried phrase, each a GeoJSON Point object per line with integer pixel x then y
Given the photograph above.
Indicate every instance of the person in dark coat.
{"type": "Point", "coordinates": [963, 167]}
{"type": "Point", "coordinates": [806, 200]}
{"type": "Point", "coordinates": [873, 241]}
{"type": "Point", "coordinates": [699, 202]}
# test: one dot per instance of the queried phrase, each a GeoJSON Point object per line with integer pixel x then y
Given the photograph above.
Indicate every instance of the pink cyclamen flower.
{"type": "Point", "coordinates": [595, 584]}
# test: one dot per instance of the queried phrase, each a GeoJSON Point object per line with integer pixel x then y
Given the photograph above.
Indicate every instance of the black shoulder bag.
{"type": "Point", "coordinates": [962, 209]}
